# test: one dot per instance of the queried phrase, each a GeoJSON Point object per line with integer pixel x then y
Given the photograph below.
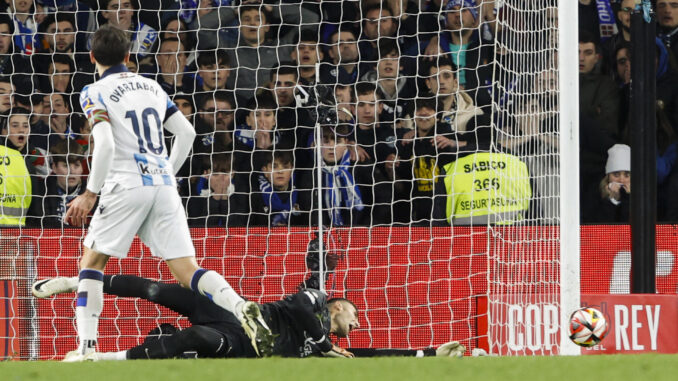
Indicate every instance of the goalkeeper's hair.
{"type": "Point", "coordinates": [110, 45]}
{"type": "Point", "coordinates": [341, 300]}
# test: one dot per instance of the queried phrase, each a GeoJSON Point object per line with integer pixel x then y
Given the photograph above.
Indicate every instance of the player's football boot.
{"type": "Point", "coordinates": [256, 329]}
{"type": "Point", "coordinates": [59, 285]}
{"type": "Point", "coordinates": [76, 356]}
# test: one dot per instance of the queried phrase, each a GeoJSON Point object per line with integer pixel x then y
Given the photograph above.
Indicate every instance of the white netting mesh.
{"type": "Point", "coordinates": [430, 113]}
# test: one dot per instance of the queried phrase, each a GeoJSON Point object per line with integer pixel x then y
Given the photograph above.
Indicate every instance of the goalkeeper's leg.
{"type": "Point", "coordinates": [217, 289]}
{"type": "Point", "coordinates": [205, 342]}
{"type": "Point", "coordinates": [449, 349]}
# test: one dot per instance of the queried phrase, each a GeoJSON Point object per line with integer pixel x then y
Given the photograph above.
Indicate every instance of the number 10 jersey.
{"type": "Point", "coordinates": [136, 108]}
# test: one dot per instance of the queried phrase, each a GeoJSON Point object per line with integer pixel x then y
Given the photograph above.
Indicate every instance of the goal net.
{"type": "Point", "coordinates": [416, 144]}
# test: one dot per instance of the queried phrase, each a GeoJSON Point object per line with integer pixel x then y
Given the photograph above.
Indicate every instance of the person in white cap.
{"type": "Point", "coordinates": [612, 204]}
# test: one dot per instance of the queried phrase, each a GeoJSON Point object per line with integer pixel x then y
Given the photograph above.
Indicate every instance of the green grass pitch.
{"type": "Point", "coordinates": [617, 367]}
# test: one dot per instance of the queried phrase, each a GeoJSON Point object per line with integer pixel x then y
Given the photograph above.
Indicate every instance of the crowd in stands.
{"type": "Point", "coordinates": [391, 91]}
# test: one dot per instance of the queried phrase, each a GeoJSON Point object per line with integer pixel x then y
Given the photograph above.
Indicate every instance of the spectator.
{"type": "Point", "coordinates": [667, 16]}
{"type": "Point", "coordinates": [39, 120]}
{"type": "Point", "coordinates": [462, 41]}
{"type": "Point", "coordinates": [170, 61]}
{"type": "Point", "coordinates": [255, 53]}
{"type": "Point", "coordinates": [456, 107]}
{"type": "Point", "coordinates": [85, 16]}
{"type": "Point", "coordinates": [274, 198]}
{"type": "Point", "coordinates": [59, 35]}
{"type": "Point", "coordinates": [17, 188]}
{"type": "Point", "coordinates": [378, 23]}
{"type": "Point", "coordinates": [59, 111]}
{"type": "Point", "coordinates": [613, 196]}
{"type": "Point", "coordinates": [121, 14]}
{"type": "Point", "coordinates": [59, 76]}
{"type": "Point", "coordinates": [214, 128]}
{"type": "Point", "coordinates": [345, 99]}
{"type": "Point", "coordinates": [6, 94]}
{"type": "Point", "coordinates": [176, 28]}
{"type": "Point", "coordinates": [218, 200]}
{"type": "Point", "coordinates": [343, 53]}
{"type": "Point", "coordinates": [15, 134]}
{"type": "Point", "coordinates": [610, 45]}
{"type": "Point", "coordinates": [65, 182]}
{"type": "Point", "coordinates": [258, 133]}
{"type": "Point", "coordinates": [421, 153]}
{"type": "Point", "coordinates": [532, 137]}
{"type": "Point", "coordinates": [292, 120]}
{"type": "Point", "coordinates": [214, 69]}
{"type": "Point", "coordinates": [15, 65]}
{"type": "Point", "coordinates": [341, 198]}
{"type": "Point", "coordinates": [397, 90]}
{"type": "Point", "coordinates": [306, 55]}
{"type": "Point", "coordinates": [376, 140]}
{"type": "Point", "coordinates": [184, 103]}
{"type": "Point", "coordinates": [598, 95]}
{"type": "Point", "coordinates": [588, 17]}
{"type": "Point", "coordinates": [25, 26]}
{"type": "Point", "coordinates": [666, 86]}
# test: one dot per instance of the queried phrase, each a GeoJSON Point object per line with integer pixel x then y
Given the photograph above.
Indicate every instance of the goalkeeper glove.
{"type": "Point", "coordinates": [451, 349]}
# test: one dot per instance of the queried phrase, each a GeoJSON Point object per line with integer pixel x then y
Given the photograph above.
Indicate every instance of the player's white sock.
{"type": "Point", "coordinates": [215, 287]}
{"type": "Point", "coordinates": [90, 302]}
{"type": "Point", "coordinates": [113, 356]}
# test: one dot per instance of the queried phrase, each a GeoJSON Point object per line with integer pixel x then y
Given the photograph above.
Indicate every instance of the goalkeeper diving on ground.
{"type": "Point", "coordinates": [301, 323]}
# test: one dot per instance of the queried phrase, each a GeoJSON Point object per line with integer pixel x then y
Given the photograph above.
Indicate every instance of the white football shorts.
{"type": "Point", "coordinates": [155, 213]}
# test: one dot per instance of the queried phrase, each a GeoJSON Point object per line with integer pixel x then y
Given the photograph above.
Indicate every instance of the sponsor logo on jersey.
{"type": "Point", "coordinates": [145, 169]}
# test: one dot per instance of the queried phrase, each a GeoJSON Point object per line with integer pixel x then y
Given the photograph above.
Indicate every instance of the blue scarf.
{"type": "Point", "coordinates": [24, 35]}
{"type": "Point", "coordinates": [278, 209]}
{"type": "Point", "coordinates": [340, 190]}
{"type": "Point", "coordinates": [608, 25]}
{"type": "Point", "coordinates": [245, 134]}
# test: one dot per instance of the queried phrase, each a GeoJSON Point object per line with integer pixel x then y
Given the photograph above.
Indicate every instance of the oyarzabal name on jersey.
{"type": "Point", "coordinates": [131, 86]}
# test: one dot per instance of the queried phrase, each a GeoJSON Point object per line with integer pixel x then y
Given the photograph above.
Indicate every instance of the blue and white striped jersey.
{"type": "Point", "coordinates": [136, 107]}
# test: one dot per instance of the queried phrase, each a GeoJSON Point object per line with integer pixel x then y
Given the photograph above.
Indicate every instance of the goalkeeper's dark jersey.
{"type": "Point", "coordinates": [301, 322]}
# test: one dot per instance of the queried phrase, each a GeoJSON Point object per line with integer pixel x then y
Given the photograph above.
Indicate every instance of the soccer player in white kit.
{"type": "Point", "coordinates": [131, 169]}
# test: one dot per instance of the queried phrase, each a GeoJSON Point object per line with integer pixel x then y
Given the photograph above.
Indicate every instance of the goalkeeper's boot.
{"type": "Point", "coordinates": [77, 356]}
{"type": "Point", "coordinates": [256, 329]}
{"type": "Point", "coordinates": [451, 349]}
{"type": "Point", "coordinates": [59, 285]}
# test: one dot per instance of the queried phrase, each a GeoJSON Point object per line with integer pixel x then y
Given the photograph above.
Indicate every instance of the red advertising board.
{"type": "Point", "coordinates": [9, 321]}
{"type": "Point", "coordinates": [638, 323]}
{"type": "Point", "coordinates": [415, 286]}
{"type": "Point", "coordinates": [526, 325]}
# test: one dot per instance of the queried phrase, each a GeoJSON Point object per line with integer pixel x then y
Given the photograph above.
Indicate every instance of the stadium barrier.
{"type": "Point", "coordinates": [415, 287]}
